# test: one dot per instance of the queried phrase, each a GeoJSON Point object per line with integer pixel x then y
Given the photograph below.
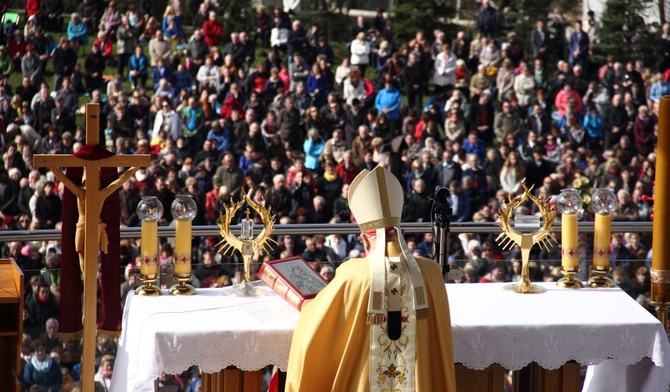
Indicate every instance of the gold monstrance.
{"type": "Point", "coordinates": [524, 238]}
{"type": "Point", "coordinates": [246, 244]}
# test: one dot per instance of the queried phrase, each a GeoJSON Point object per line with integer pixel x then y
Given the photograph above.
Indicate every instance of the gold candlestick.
{"type": "Point", "coordinates": [569, 203]}
{"type": "Point", "coordinates": [246, 244]}
{"type": "Point", "coordinates": [600, 279]}
{"type": "Point", "coordinates": [150, 211]}
{"type": "Point", "coordinates": [569, 281]}
{"type": "Point", "coordinates": [660, 258]}
{"type": "Point", "coordinates": [183, 210]}
{"type": "Point", "coordinates": [541, 236]}
{"type": "Point", "coordinates": [660, 283]}
{"type": "Point", "coordinates": [182, 287]}
{"type": "Point", "coordinates": [148, 289]}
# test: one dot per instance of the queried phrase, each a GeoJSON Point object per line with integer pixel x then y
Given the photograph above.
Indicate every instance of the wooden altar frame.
{"type": "Point", "coordinates": [529, 379]}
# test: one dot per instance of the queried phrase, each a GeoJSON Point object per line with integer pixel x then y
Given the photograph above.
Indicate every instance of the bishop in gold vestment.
{"type": "Point", "coordinates": [383, 323]}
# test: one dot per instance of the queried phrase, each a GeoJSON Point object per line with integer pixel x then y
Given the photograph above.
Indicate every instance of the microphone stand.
{"type": "Point", "coordinates": [441, 222]}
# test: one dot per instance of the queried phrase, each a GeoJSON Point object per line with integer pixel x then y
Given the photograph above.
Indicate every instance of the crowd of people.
{"type": "Point", "coordinates": [273, 111]}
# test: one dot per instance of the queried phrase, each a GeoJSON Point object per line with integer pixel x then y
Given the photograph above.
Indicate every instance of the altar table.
{"type": "Point", "coordinates": [602, 327]}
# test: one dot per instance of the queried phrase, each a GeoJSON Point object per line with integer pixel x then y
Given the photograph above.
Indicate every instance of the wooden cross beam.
{"type": "Point", "coordinates": [90, 199]}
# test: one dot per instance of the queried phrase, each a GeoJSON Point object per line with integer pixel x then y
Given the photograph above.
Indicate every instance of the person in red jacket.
{"type": "Point", "coordinates": [257, 80]}
{"type": "Point", "coordinates": [347, 170]}
{"type": "Point", "coordinates": [106, 46]}
{"type": "Point", "coordinates": [212, 29]}
{"type": "Point", "coordinates": [568, 96]}
{"type": "Point", "coordinates": [17, 48]}
{"type": "Point", "coordinates": [32, 8]}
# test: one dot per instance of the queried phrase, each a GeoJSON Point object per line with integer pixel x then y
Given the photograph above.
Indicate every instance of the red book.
{"type": "Point", "coordinates": [293, 279]}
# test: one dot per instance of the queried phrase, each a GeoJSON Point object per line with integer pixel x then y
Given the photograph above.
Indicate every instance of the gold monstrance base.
{"type": "Point", "coordinates": [244, 289]}
{"type": "Point", "coordinates": [148, 289]}
{"type": "Point", "coordinates": [182, 287]}
{"type": "Point", "coordinates": [521, 288]}
{"type": "Point", "coordinates": [600, 279]}
{"type": "Point", "coordinates": [569, 281]}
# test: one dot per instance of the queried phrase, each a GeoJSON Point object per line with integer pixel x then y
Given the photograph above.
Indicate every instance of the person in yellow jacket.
{"type": "Point", "coordinates": [383, 323]}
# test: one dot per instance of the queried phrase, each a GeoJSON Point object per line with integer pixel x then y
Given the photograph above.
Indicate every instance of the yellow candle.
{"type": "Point", "coordinates": [660, 258]}
{"type": "Point", "coordinates": [182, 249]}
{"type": "Point", "coordinates": [601, 240]}
{"type": "Point", "coordinates": [569, 240]}
{"type": "Point", "coordinates": [149, 248]}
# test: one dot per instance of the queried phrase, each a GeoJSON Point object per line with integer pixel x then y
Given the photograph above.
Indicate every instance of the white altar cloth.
{"type": "Point", "coordinates": [211, 330]}
{"type": "Point", "coordinates": [591, 326]}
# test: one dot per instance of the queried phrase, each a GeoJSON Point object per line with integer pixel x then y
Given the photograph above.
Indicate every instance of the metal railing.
{"type": "Point", "coordinates": [312, 229]}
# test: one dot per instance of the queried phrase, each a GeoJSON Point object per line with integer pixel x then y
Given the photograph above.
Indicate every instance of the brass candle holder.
{"type": "Point", "coordinates": [600, 280]}
{"type": "Point", "coordinates": [661, 312]}
{"type": "Point", "coordinates": [246, 244]}
{"type": "Point", "coordinates": [660, 294]}
{"type": "Point", "coordinates": [569, 281]}
{"type": "Point", "coordinates": [148, 288]}
{"type": "Point", "coordinates": [182, 287]}
{"type": "Point", "coordinates": [541, 236]}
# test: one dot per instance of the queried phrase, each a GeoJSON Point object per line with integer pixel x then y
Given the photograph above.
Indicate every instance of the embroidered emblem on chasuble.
{"type": "Point", "coordinates": [392, 361]}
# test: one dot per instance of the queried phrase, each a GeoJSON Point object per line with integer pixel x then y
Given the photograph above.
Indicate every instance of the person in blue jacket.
{"type": "Point", "coordinates": [658, 88]}
{"type": "Point", "coordinates": [138, 68]}
{"type": "Point", "coordinates": [593, 124]}
{"type": "Point", "coordinates": [43, 371]}
{"type": "Point", "coordinates": [181, 79]}
{"type": "Point", "coordinates": [388, 102]}
{"type": "Point", "coordinates": [313, 147]}
{"type": "Point", "coordinates": [77, 31]}
{"type": "Point", "coordinates": [160, 71]}
{"type": "Point", "coordinates": [172, 26]}
{"type": "Point", "coordinates": [317, 86]}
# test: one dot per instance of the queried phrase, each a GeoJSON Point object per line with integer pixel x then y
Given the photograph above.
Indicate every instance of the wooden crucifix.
{"type": "Point", "coordinates": [90, 199]}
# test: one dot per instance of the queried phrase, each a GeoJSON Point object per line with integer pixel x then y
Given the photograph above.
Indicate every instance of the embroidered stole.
{"type": "Point", "coordinates": [392, 361]}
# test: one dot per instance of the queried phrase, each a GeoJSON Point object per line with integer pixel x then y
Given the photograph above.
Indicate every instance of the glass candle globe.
{"type": "Point", "coordinates": [569, 201]}
{"type": "Point", "coordinates": [150, 209]}
{"type": "Point", "coordinates": [184, 208]}
{"type": "Point", "coordinates": [604, 201]}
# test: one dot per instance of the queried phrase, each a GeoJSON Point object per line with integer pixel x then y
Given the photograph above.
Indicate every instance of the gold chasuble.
{"type": "Point", "coordinates": [397, 339]}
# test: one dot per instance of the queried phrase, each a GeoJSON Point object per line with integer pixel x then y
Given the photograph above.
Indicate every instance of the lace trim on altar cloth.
{"type": "Point", "coordinates": [210, 358]}
{"type": "Point", "coordinates": [589, 347]}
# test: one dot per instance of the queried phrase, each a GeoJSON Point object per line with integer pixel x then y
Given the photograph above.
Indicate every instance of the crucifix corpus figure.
{"type": "Point", "coordinates": [90, 235]}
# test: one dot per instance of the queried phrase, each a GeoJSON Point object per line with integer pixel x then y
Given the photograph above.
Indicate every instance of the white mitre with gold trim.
{"type": "Point", "coordinates": [376, 199]}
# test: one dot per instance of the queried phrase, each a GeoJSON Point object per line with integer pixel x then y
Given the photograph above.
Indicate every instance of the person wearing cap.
{"type": "Point", "coordinates": [383, 322]}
